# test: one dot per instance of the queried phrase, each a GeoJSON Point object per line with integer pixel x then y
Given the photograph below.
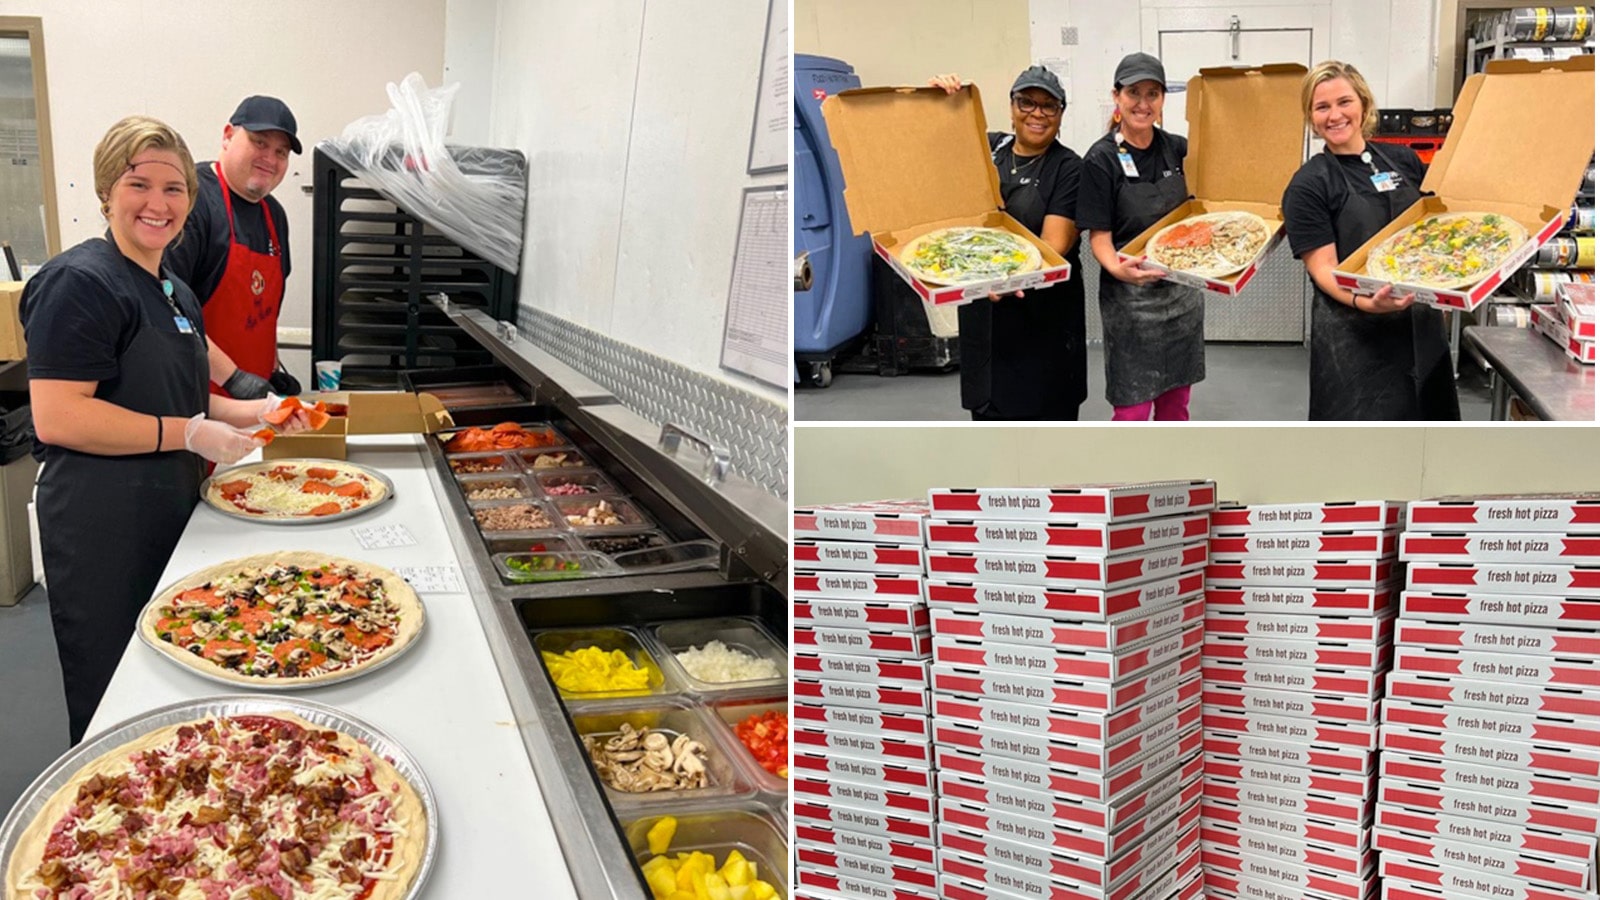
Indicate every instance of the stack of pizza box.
{"type": "Point", "coordinates": [860, 736]}
{"type": "Point", "coordinates": [1299, 616]}
{"type": "Point", "coordinates": [1490, 752]}
{"type": "Point", "coordinates": [1570, 321]}
{"type": "Point", "coordinates": [1067, 625]}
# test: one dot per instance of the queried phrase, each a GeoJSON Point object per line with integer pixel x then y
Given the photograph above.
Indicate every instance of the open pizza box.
{"type": "Point", "coordinates": [1517, 111]}
{"type": "Point", "coordinates": [369, 412]}
{"type": "Point", "coordinates": [1223, 104]}
{"type": "Point", "coordinates": [916, 160]}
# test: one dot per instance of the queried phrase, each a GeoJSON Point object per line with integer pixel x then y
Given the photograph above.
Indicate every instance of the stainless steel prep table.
{"type": "Point", "coordinates": [1527, 363]}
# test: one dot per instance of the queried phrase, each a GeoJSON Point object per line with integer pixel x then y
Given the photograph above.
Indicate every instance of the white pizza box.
{"type": "Point", "coordinates": [872, 846]}
{"type": "Point", "coordinates": [1094, 573]}
{"type": "Point", "coordinates": [1494, 695]}
{"type": "Point", "coordinates": [1228, 886]}
{"type": "Point", "coordinates": [857, 585]}
{"type": "Point", "coordinates": [1062, 605]}
{"type": "Point", "coordinates": [1361, 684]}
{"type": "Point", "coordinates": [1545, 759]}
{"type": "Point", "coordinates": [1327, 832]}
{"type": "Point", "coordinates": [1090, 539]}
{"type": "Point", "coordinates": [1446, 606]}
{"type": "Point", "coordinates": [1352, 861]}
{"type": "Point", "coordinates": [1364, 629]}
{"type": "Point", "coordinates": [874, 642]}
{"type": "Point", "coordinates": [910, 804]}
{"type": "Point", "coordinates": [882, 723]}
{"type": "Point", "coordinates": [1072, 809]}
{"type": "Point", "coordinates": [1409, 877]}
{"type": "Point", "coordinates": [865, 821]}
{"type": "Point", "coordinates": [1356, 573]}
{"type": "Point", "coordinates": [966, 875]}
{"type": "Point", "coordinates": [1054, 693]}
{"type": "Point", "coordinates": [916, 160]}
{"type": "Point", "coordinates": [1576, 513]}
{"type": "Point", "coordinates": [898, 615]}
{"type": "Point", "coordinates": [904, 776]}
{"type": "Point", "coordinates": [1041, 777]}
{"type": "Point", "coordinates": [1310, 732]}
{"type": "Point", "coordinates": [1302, 801]}
{"type": "Point", "coordinates": [857, 556]}
{"type": "Point", "coordinates": [823, 860]}
{"type": "Point", "coordinates": [1320, 545]}
{"type": "Point", "coordinates": [1551, 871]}
{"type": "Point", "coordinates": [1300, 601]}
{"type": "Point", "coordinates": [1232, 518]}
{"type": "Point", "coordinates": [1554, 815]}
{"type": "Point", "coordinates": [1253, 700]}
{"type": "Point", "coordinates": [1502, 780]}
{"type": "Point", "coordinates": [1519, 640]}
{"type": "Point", "coordinates": [1272, 650]}
{"type": "Point", "coordinates": [1505, 578]}
{"type": "Point", "coordinates": [1481, 665]}
{"type": "Point", "coordinates": [900, 751]}
{"type": "Point", "coordinates": [1521, 728]}
{"type": "Point", "coordinates": [1547, 321]}
{"type": "Point", "coordinates": [857, 888]}
{"type": "Point", "coordinates": [1222, 103]}
{"type": "Point", "coordinates": [1112, 728]}
{"type": "Point", "coordinates": [1465, 829]}
{"type": "Point", "coordinates": [1288, 776]}
{"type": "Point", "coordinates": [1577, 307]}
{"type": "Point", "coordinates": [1330, 757]}
{"type": "Point", "coordinates": [1109, 635]}
{"type": "Point", "coordinates": [1541, 548]}
{"type": "Point", "coordinates": [1075, 504]}
{"type": "Point", "coordinates": [909, 674]}
{"type": "Point", "coordinates": [1062, 837]}
{"type": "Point", "coordinates": [914, 700]}
{"type": "Point", "coordinates": [880, 522]}
{"type": "Point", "coordinates": [1069, 663]}
{"type": "Point", "coordinates": [1085, 756]}
{"type": "Point", "coordinates": [1311, 880]}
{"type": "Point", "coordinates": [1493, 133]}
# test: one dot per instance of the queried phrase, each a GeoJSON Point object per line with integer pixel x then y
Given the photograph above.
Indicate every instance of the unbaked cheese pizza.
{"type": "Point", "coordinates": [244, 807]}
{"type": "Point", "coordinates": [294, 489]}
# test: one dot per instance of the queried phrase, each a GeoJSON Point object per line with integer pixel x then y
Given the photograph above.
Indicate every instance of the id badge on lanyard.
{"type": "Point", "coordinates": [178, 318]}
{"type": "Point", "coordinates": [1383, 182]}
{"type": "Point", "coordinates": [1126, 158]}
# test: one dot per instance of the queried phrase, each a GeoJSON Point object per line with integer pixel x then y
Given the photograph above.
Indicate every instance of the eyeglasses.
{"type": "Point", "coordinates": [1026, 106]}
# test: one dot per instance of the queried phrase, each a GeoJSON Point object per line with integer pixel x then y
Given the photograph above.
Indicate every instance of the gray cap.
{"type": "Point", "coordinates": [1041, 78]}
{"type": "Point", "coordinates": [1137, 67]}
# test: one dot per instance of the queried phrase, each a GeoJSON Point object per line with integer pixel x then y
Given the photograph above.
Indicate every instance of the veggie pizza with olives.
{"type": "Point", "coordinates": [284, 620]}
{"type": "Point", "coordinates": [287, 489]}
{"type": "Point", "coordinates": [242, 807]}
{"type": "Point", "coordinates": [1454, 250]}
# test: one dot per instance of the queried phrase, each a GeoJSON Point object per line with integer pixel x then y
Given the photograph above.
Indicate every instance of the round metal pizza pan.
{"type": "Point", "coordinates": [236, 513]}
{"type": "Point", "coordinates": [64, 769]}
{"type": "Point", "coordinates": [263, 684]}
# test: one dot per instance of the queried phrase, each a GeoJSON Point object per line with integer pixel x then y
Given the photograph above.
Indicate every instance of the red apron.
{"type": "Point", "coordinates": [242, 314]}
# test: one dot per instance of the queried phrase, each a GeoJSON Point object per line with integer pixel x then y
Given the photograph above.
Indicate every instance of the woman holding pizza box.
{"type": "Point", "coordinates": [1155, 346]}
{"type": "Point", "coordinates": [122, 416]}
{"type": "Point", "coordinates": [1380, 357]}
{"type": "Point", "coordinates": [1023, 356]}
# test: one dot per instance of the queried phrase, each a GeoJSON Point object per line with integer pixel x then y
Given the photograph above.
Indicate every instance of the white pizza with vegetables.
{"type": "Point", "coordinates": [1211, 245]}
{"type": "Point", "coordinates": [1455, 250]}
{"type": "Point", "coordinates": [968, 254]}
{"type": "Point", "coordinates": [294, 489]}
{"type": "Point", "coordinates": [284, 619]}
{"type": "Point", "coordinates": [244, 807]}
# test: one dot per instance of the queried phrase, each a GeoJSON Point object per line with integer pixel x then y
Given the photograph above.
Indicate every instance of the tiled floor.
{"type": "Point", "coordinates": [33, 710]}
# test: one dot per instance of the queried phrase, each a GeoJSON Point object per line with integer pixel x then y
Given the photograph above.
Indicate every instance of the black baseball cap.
{"type": "Point", "coordinates": [260, 113]}
{"type": "Point", "coordinates": [1041, 78]}
{"type": "Point", "coordinates": [1137, 67]}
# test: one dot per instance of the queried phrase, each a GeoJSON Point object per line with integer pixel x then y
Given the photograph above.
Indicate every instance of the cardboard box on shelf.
{"type": "Point", "coordinates": [1367, 629]}
{"type": "Point", "coordinates": [1506, 578]}
{"type": "Point", "coordinates": [1547, 871]}
{"type": "Point", "coordinates": [882, 643]}
{"type": "Point", "coordinates": [1070, 724]}
{"type": "Point", "coordinates": [1066, 605]}
{"type": "Point", "coordinates": [13, 345]}
{"type": "Point", "coordinates": [913, 699]}
{"type": "Point", "coordinates": [1577, 513]}
{"type": "Point", "coordinates": [916, 160]}
{"type": "Point", "coordinates": [1223, 103]}
{"type": "Point", "coordinates": [1298, 799]}
{"type": "Point", "coordinates": [1355, 573]}
{"type": "Point", "coordinates": [1336, 654]}
{"type": "Point", "coordinates": [1501, 119]}
{"type": "Point", "coordinates": [1074, 504]}
{"type": "Point", "coordinates": [1501, 696]}
{"type": "Point", "coordinates": [827, 860]}
{"type": "Point", "coordinates": [1076, 540]}
{"type": "Point", "coordinates": [1230, 518]}
{"type": "Point", "coordinates": [1465, 724]}
{"type": "Point", "coordinates": [1350, 735]}
{"type": "Point", "coordinates": [883, 522]}
{"type": "Point", "coordinates": [1069, 663]}
{"type": "Point", "coordinates": [1052, 571]}
{"type": "Point", "coordinates": [903, 776]}
{"type": "Point", "coordinates": [857, 556]}
{"type": "Point", "coordinates": [873, 846]}
{"type": "Point", "coordinates": [1113, 635]}
{"type": "Point", "coordinates": [1553, 814]}
{"type": "Point", "coordinates": [1502, 609]}
{"type": "Point", "coordinates": [1318, 545]}
{"type": "Point", "coordinates": [1251, 599]}
{"type": "Point", "coordinates": [899, 615]}
{"type": "Point", "coordinates": [1499, 547]}
{"type": "Point", "coordinates": [371, 412]}
{"type": "Point", "coordinates": [1445, 825]}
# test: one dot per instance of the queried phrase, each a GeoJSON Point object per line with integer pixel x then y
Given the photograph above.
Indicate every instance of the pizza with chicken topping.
{"type": "Point", "coordinates": [294, 489]}
{"type": "Point", "coordinates": [1211, 245]}
{"type": "Point", "coordinates": [284, 620]}
{"type": "Point", "coordinates": [243, 807]}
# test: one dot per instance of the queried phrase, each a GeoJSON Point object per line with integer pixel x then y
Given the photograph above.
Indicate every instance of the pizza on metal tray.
{"type": "Point", "coordinates": [1449, 251]}
{"type": "Point", "coordinates": [293, 489]}
{"type": "Point", "coordinates": [1211, 245]}
{"type": "Point", "coordinates": [968, 254]}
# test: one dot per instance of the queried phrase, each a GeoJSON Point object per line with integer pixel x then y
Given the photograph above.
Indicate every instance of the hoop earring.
{"type": "Point", "coordinates": [1116, 115]}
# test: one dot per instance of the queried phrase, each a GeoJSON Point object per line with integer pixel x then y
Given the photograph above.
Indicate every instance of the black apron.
{"type": "Point", "coordinates": [1377, 366]}
{"type": "Point", "coordinates": [1154, 334]}
{"type": "Point", "coordinates": [1025, 357]}
{"type": "Point", "coordinates": [108, 524]}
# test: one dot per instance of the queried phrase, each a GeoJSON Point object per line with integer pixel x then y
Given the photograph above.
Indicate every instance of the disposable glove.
{"type": "Point", "coordinates": [284, 383]}
{"type": "Point", "coordinates": [296, 423]}
{"type": "Point", "coordinates": [242, 385]}
{"type": "Point", "coordinates": [217, 441]}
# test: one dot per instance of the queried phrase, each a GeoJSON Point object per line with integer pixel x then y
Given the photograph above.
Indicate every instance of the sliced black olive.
{"type": "Point", "coordinates": [195, 649]}
{"type": "Point", "coordinates": [166, 636]}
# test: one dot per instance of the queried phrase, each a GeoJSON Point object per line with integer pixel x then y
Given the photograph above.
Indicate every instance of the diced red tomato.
{"type": "Point", "coordinates": [766, 736]}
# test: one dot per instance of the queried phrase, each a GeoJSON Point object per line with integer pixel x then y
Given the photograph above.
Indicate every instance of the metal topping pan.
{"type": "Point", "coordinates": [229, 509]}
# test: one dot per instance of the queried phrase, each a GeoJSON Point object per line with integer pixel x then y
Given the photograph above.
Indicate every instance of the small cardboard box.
{"type": "Point", "coordinates": [1224, 103]}
{"type": "Point", "coordinates": [1372, 601]}
{"type": "Point", "coordinates": [1362, 684]}
{"type": "Point", "coordinates": [911, 752]}
{"type": "Point", "coordinates": [1060, 605]}
{"type": "Point", "coordinates": [1568, 513]}
{"type": "Point", "coordinates": [1500, 696]}
{"type": "Point", "coordinates": [1522, 641]}
{"type": "Point", "coordinates": [1551, 326]}
{"type": "Point", "coordinates": [1069, 663]}
{"type": "Point", "coordinates": [1503, 118]}
{"type": "Point", "coordinates": [864, 821]}
{"type": "Point", "coordinates": [907, 674]}
{"type": "Point", "coordinates": [1442, 606]}
{"type": "Point", "coordinates": [864, 796]}
{"type": "Point", "coordinates": [12, 344]}
{"type": "Point", "coordinates": [1500, 547]}
{"type": "Point", "coordinates": [876, 722]}
{"type": "Point", "coordinates": [376, 412]}
{"type": "Point", "coordinates": [856, 887]}
{"type": "Point", "coordinates": [916, 160]}
{"type": "Point", "coordinates": [872, 846]}
{"type": "Point", "coordinates": [1466, 726]}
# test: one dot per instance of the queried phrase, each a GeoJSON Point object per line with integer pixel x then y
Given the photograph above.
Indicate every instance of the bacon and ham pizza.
{"type": "Point", "coordinates": [284, 620]}
{"type": "Point", "coordinates": [284, 489]}
{"type": "Point", "coordinates": [242, 807]}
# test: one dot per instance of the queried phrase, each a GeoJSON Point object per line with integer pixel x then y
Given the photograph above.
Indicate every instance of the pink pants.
{"type": "Point", "coordinates": [1173, 406]}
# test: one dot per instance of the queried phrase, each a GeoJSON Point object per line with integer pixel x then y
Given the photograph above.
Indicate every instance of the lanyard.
{"type": "Point", "coordinates": [1383, 182]}
{"type": "Point", "coordinates": [1123, 156]}
{"type": "Point", "coordinates": [178, 318]}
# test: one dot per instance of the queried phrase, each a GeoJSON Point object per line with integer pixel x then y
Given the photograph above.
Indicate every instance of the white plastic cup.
{"type": "Point", "coordinates": [328, 374]}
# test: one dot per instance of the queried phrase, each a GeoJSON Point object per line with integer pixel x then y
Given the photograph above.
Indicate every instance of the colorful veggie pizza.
{"type": "Point", "coordinates": [1454, 250]}
{"type": "Point", "coordinates": [247, 807]}
{"type": "Point", "coordinates": [284, 619]}
{"type": "Point", "coordinates": [967, 254]}
{"type": "Point", "coordinates": [294, 489]}
{"type": "Point", "coordinates": [1211, 245]}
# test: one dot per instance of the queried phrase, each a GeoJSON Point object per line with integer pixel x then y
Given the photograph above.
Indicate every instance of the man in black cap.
{"type": "Point", "coordinates": [234, 251]}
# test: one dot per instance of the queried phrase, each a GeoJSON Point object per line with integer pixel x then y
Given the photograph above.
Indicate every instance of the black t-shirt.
{"type": "Point", "coordinates": [1319, 191]}
{"type": "Point", "coordinates": [203, 253]}
{"type": "Point", "coordinates": [1103, 179]}
{"type": "Point", "coordinates": [1055, 173]}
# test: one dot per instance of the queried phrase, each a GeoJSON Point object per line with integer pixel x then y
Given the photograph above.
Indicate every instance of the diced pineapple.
{"type": "Point", "coordinates": [739, 891]}
{"type": "Point", "coordinates": [736, 870]}
{"type": "Point", "coordinates": [717, 888]}
{"type": "Point", "coordinates": [660, 834]}
{"type": "Point", "coordinates": [662, 881]}
{"type": "Point", "coordinates": [760, 890]}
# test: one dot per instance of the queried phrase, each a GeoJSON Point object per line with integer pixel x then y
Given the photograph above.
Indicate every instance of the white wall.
{"type": "Point", "coordinates": [636, 120]}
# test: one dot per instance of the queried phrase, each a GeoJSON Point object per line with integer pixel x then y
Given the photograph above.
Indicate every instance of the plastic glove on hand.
{"type": "Point", "coordinates": [218, 441]}
{"type": "Point", "coordinates": [298, 420]}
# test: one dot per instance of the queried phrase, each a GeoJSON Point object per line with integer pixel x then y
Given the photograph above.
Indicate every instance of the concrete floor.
{"type": "Point", "coordinates": [33, 709]}
{"type": "Point", "coordinates": [1244, 382]}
